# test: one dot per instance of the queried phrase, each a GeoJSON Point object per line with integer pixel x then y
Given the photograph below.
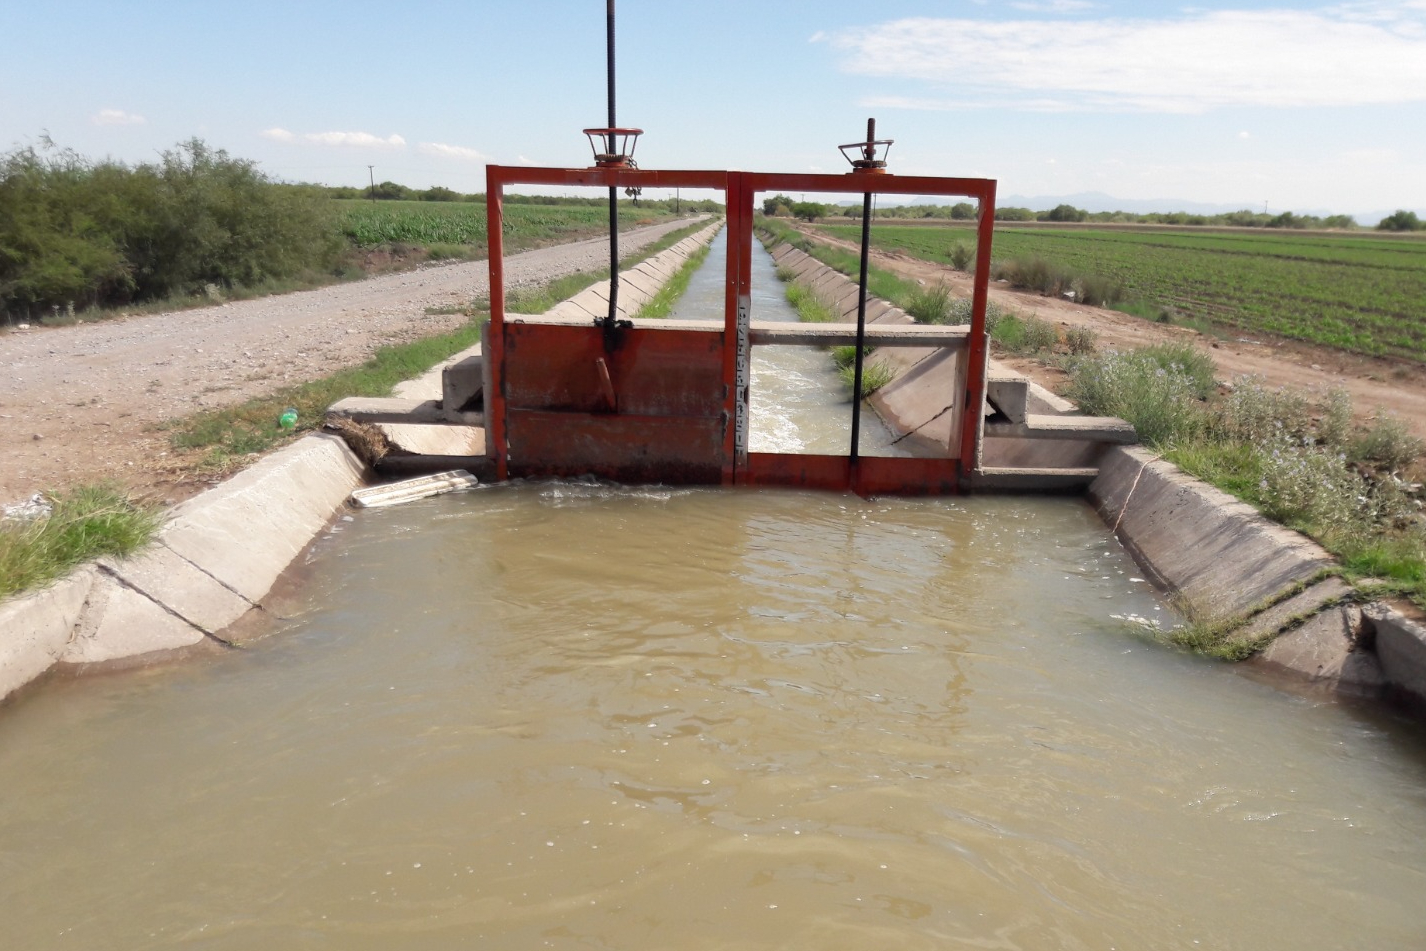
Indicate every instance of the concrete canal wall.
{"type": "Point", "coordinates": [221, 552]}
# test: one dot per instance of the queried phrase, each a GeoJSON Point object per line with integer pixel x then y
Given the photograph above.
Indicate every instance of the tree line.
{"type": "Point", "coordinates": [79, 233]}
{"type": "Point", "coordinates": [784, 206]}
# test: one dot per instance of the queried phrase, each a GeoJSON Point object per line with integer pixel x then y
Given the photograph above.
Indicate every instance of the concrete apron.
{"type": "Point", "coordinates": [1270, 585]}
{"type": "Point", "coordinates": [216, 558]}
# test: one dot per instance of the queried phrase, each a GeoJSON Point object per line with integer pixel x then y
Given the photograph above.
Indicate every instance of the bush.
{"type": "Point", "coordinates": [962, 256]}
{"type": "Point", "coordinates": [930, 305]}
{"type": "Point", "coordinates": [1388, 444]}
{"type": "Point", "coordinates": [1335, 429]}
{"type": "Point", "coordinates": [1159, 392]}
{"type": "Point", "coordinates": [1081, 341]}
{"type": "Point", "coordinates": [72, 231]}
{"type": "Point", "coordinates": [1402, 220]}
{"type": "Point", "coordinates": [1304, 487]}
{"type": "Point", "coordinates": [1033, 273]}
{"type": "Point", "coordinates": [1097, 290]}
{"type": "Point", "coordinates": [1254, 413]}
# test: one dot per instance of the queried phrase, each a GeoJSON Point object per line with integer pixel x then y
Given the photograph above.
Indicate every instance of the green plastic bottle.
{"type": "Point", "coordinates": [288, 419]}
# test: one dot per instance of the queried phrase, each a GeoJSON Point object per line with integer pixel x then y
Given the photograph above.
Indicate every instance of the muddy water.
{"type": "Point", "coordinates": [570, 716]}
{"type": "Point", "coordinates": [573, 716]}
{"type": "Point", "coordinates": [797, 402]}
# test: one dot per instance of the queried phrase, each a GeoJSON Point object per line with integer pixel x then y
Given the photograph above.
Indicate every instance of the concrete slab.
{"type": "Point", "coordinates": [35, 629]}
{"type": "Point", "coordinates": [1302, 604]}
{"type": "Point", "coordinates": [1322, 651]}
{"type": "Point", "coordinates": [427, 386]}
{"type": "Point", "coordinates": [1042, 426]}
{"type": "Point", "coordinates": [446, 440]}
{"type": "Point", "coordinates": [1401, 647]}
{"type": "Point", "coordinates": [246, 531]}
{"type": "Point", "coordinates": [119, 622]}
{"type": "Point", "coordinates": [1218, 552]}
{"type": "Point", "coordinates": [161, 575]}
{"type": "Point", "coordinates": [381, 409]}
{"type": "Point", "coordinates": [462, 382]}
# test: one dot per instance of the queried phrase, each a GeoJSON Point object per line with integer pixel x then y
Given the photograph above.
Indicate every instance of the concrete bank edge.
{"type": "Point", "coordinates": [1229, 562]}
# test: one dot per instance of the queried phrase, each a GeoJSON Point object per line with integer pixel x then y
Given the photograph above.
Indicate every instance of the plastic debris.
{"type": "Point", "coordinates": [409, 490]}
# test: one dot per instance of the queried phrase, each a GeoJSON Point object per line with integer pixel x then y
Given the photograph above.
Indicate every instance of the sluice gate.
{"type": "Point", "coordinates": [646, 401]}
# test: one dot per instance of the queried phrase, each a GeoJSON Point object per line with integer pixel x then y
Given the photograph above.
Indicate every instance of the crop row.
{"type": "Point", "coordinates": [372, 224]}
{"type": "Point", "coordinates": [1362, 294]}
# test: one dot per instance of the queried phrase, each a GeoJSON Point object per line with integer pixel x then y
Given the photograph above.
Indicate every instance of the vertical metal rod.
{"type": "Point", "coordinates": [609, 326]}
{"type": "Point", "coordinates": [861, 306]}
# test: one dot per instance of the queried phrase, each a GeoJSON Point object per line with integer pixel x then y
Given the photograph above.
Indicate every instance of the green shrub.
{"type": "Point", "coordinates": [1162, 397]}
{"type": "Point", "coordinates": [1097, 291]}
{"type": "Point", "coordinates": [874, 376]}
{"type": "Point", "coordinates": [1335, 429]}
{"type": "Point", "coordinates": [74, 231]}
{"type": "Point", "coordinates": [1081, 341]}
{"type": "Point", "coordinates": [1033, 273]}
{"type": "Point", "coordinates": [930, 305]}
{"type": "Point", "coordinates": [962, 256]}
{"type": "Point", "coordinates": [1387, 444]}
{"type": "Point", "coordinates": [1256, 413]}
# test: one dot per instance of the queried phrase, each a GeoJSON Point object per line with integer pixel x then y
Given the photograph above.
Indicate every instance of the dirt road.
{"type": "Point", "coordinates": [83, 404]}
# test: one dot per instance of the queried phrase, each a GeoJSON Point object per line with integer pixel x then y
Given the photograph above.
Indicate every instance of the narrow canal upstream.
{"type": "Point", "coordinates": [573, 715]}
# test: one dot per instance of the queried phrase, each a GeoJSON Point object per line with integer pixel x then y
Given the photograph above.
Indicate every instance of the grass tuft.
{"type": "Point", "coordinates": [84, 524]}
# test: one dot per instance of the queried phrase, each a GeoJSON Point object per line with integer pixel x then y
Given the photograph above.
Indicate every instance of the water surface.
{"type": "Point", "coordinates": [573, 716]}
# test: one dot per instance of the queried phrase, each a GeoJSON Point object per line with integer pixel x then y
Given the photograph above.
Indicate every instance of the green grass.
{"type": "Point", "coordinates": [1308, 470]}
{"type": "Point", "coordinates": [661, 304]}
{"type": "Point", "coordinates": [874, 376]}
{"type": "Point", "coordinates": [85, 523]}
{"type": "Point", "coordinates": [230, 435]}
{"type": "Point", "coordinates": [540, 298]}
{"type": "Point", "coordinates": [1360, 292]}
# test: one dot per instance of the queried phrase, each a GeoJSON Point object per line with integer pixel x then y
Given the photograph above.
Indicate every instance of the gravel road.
{"type": "Point", "coordinates": [82, 404]}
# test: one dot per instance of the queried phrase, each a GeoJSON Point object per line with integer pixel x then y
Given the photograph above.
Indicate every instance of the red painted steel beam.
{"type": "Point", "coordinates": [979, 353]}
{"type": "Point", "coordinates": [495, 338]}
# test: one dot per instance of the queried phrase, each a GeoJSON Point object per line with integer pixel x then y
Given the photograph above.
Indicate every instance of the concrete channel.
{"type": "Point", "coordinates": [221, 553]}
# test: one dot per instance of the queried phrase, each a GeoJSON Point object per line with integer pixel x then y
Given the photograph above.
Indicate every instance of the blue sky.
{"type": "Point", "coordinates": [1289, 106]}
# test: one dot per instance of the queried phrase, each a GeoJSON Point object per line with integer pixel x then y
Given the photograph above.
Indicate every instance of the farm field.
{"type": "Point", "coordinates": [1363, 293]}
{"type": "Point", "coordinates": [368, 224]}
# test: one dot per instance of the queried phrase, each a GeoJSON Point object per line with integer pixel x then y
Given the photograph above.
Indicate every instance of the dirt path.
{"type": "Point", "coordinates": [1395, 387]}
{"type": "Point", "coordinates": [83, 404]}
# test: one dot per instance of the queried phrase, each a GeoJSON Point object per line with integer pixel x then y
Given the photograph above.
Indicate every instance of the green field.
{"type": "Point", "coordinates": [1364, 293]}
{"type": "Point", "coordinates": [368, 224]}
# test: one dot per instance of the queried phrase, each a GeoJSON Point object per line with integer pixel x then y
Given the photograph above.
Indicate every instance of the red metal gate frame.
{"type": "Point", "coordinates": [871, 474]}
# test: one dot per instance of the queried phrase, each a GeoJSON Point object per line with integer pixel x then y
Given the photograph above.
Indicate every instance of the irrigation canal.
{"type": "Point", "coordinates": [574, 715]}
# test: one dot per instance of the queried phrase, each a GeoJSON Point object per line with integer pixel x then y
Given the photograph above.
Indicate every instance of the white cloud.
{"type": "Point", "coordinates": [1365, 54]}
{"type": "Point", "coordinates": [1245, 135]}
{"type": "Point", "coordinates": [116, 117]}
{"type": "Point", "coordinates": [355, 139]}
{"type": "Point", "coordinates": [1055, 6]}
{"type": "Point", "coordinates": [441, 150]}
{"type": "Point", "coordinates": [277, 134]}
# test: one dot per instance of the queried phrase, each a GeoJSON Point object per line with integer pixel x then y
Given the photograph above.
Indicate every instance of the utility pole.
{"type": "Point", "coordinates": [372, 175]}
